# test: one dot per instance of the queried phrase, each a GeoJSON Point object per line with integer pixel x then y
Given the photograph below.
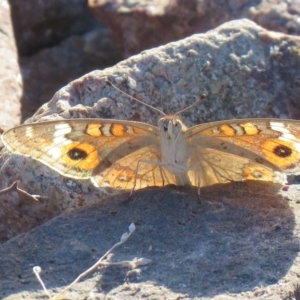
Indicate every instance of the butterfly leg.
{"type": "Point", "coordinates": [155, 163]}
{"type": "Point", "coordinates": [199, 185]}
{"type": "Point", "coordinates": [183, 177]}
{"type": "Point", "coordinates": [162, 176]}
{"type": "Point", "coordinates": [198, 175]}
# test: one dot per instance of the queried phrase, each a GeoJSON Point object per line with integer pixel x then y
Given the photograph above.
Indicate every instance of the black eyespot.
{"type": "Point", "coordinates": [165, 127]}
{"type": "Point", "coordinates": [77, 154]}
{"type": "Point", "coordinates": [282, 151]}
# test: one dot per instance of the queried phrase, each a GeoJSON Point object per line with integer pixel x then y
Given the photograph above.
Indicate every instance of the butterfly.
{"type": "Point", "coordinates": [128, 155]}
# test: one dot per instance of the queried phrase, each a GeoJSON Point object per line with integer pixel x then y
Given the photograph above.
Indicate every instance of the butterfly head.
{"type": "Point", "coordinates": [171, 127]}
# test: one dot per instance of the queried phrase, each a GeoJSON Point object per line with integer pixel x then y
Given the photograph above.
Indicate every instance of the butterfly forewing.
{"type": "Point", "coordinates": [75, 148]}
{"type": "Point", "coordinates": [273, 143]}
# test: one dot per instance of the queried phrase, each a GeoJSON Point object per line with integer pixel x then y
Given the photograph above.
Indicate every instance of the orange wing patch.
{"type": "Point", "coordinates": [94, 130]}
{"type": "Point", "coordinates": [250, 129]}
{"type": "Point", "coordinates": [258, 173]}
{"type": "Point", "coordinates": [227, 130]}
{"type": "Point", "coordinates": [118, 130]}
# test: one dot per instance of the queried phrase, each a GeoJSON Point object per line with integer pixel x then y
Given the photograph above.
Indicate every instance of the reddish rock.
{"type": "Point", "coordinates": [10, 83]}
{"type": "Point", "coordinates": [140, 25]}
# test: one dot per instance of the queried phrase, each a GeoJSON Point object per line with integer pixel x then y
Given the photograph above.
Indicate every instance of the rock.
{"type": "Point", "coordinates": [58, 41]}
{"type": "Point", "coordinates": [10, 83]}
{"type": "Point", "coordinates": [246, 71]}
{"type": "Point", "coordinates": [242, 245]}
{"type": "Point", "coordinates": [277, 15]}
{"type": "Point", "coordinates": [139, 25]}
{"type": "Point", "coordinates": [48, 70]}
{"type": "Point", "coordinates": [40, 24]}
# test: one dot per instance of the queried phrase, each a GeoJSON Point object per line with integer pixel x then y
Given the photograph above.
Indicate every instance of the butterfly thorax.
{"type": "Point", "coordinates": [174, 148]}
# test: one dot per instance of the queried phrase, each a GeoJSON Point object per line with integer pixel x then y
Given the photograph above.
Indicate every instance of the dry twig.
{"type": "Point", "coordinates": [14, 187]}
{"type": "Point", "coordinates": [133, 264]}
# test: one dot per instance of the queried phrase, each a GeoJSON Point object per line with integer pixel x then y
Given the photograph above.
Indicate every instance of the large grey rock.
{"type": "Point", "coordinates": [246, 71]}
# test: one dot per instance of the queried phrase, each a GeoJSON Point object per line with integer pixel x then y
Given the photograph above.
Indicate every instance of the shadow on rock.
{"type": "Point", "coordinates": [240, 236]}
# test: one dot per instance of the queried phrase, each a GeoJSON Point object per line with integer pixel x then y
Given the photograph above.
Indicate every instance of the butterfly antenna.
{"type": "Point", "coordinates": [135, 99]}
{"type": "Point", "coordinates": [203, 96]}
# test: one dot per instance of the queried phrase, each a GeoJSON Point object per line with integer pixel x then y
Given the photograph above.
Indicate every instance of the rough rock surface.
{"type": "Point", "coordinates": [238, 243]}
{"type": "Point", "coordinates": [245, 70]}
{"type": "Point", "coordinates": [140, 25]}
{"type": "Point", "coordinates": [10, 83]}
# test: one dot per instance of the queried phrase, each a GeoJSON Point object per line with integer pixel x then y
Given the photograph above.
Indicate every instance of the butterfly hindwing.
{"type": "Point", "coordinates": [126, 173]}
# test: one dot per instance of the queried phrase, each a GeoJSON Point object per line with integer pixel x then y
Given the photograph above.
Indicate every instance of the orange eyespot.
{"type": "Point", "coordinates": [280, 153]}
{"type": "Point", "coordinates": [81, 155]}
{"type": "Point", "coordinates": [126, 176]}
{"type": "Point", "coordinates": [258, 173]}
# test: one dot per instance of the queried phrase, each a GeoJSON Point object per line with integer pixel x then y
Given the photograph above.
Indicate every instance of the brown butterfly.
{"type": "Point", "coordinates": [131, 155]}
